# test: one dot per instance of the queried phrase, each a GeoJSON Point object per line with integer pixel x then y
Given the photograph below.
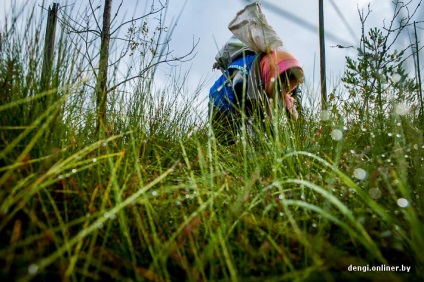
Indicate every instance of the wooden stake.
{"type": "Point", "coordinates": [420, 89]}
{"type": "Point", "coordinates": [322, 57]}
{"type": "Point", "coordinates": [49, 44]}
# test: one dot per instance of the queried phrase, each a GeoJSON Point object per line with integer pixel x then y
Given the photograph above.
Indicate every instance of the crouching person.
{"type": "Point", "coordinates": [251, 86]}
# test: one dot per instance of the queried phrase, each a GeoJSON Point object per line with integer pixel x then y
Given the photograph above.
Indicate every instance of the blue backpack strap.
{"type": "Point", "coordinates": [221, 93]}
{"type": "Point", "coordinates": [243, 64]}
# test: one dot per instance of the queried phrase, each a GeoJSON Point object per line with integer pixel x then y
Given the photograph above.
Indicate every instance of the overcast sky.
{"type": "Point", "coordinates": [208, 20]}
{"type": "Point", "coordinates": [296, 22]}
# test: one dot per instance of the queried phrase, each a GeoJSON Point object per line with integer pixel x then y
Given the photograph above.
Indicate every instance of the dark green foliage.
{"type": "Point", "coordinates": [377, 77]}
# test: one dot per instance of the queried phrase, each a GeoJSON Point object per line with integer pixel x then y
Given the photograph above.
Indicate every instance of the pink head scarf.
{"type": "Point", "coordinates": [275, 63]}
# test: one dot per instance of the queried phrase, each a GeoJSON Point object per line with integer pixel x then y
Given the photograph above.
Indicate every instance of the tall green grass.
{"type": "Point", "coordinates": [157, 198]}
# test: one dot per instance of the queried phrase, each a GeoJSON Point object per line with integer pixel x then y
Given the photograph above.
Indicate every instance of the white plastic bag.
{"type": "Point", "coordinates": [252, 28]}
{"type": "Point", "coordinates": [233, 49]}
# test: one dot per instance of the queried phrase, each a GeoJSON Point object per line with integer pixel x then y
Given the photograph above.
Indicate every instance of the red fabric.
{"type": "Point", "coordinates": [282, 67]}
{"type": "Point", "coordinates": [275, 63]}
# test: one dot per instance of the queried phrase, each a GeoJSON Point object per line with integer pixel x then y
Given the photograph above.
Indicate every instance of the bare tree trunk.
{"type": "Point", "coordinates": [365, 108]}
{"type": "Point", "coordinates": [420, 89]}
{"type": "Point", "coordinates": [101, 86]}
{"type": "Point", "coordinates": [49, 43]}
{"type": "Point", "coordinates": [322, 57]}
{"type": "Point", "coordinates": [47, 68]}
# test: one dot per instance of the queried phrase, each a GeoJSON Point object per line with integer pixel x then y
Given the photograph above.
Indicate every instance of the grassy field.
{"type": "Point", "coordinates": [153, 197]}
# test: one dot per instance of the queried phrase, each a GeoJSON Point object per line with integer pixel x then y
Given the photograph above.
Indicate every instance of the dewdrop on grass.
{"type": "Point", "coordinates": [402, 202]}
{"type": "Point", "coordinates": [375, 193]}
{"type": "Point", "coordinates": [359, 173]}
{"type": "Point", "coordinates": [337, 134]}
{"type": "Point", "coordinates": [395, 78]}
{"type": "Point", "coordinates": [33, 269]}
{"type": "Point", "coordinates": [109, 215]}
{"type": "Point", "coordinates": [401, 109]}
{"type": "Point", "coordinates": [325, 115]}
